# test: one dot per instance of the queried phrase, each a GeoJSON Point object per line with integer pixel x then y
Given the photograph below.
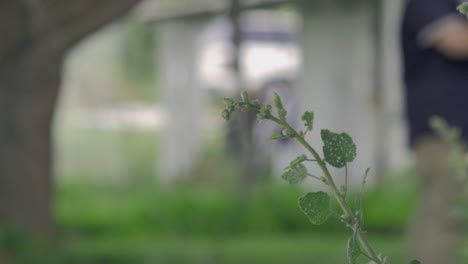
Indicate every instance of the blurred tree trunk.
{"type": "Point", "coordinates": [35, 35]}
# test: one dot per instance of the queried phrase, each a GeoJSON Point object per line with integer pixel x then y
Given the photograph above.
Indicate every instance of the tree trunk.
{"type": "Point", "coordinates": [37, 34]}
{"type": "Point", "coordinates": [29, 88]}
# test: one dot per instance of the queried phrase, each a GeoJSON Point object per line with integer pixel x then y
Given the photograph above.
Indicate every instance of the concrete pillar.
{"type": "Point", "coordinates": [336, 82]}
{"type": "Point", "coordinates": [398, 152]}
{"type": "Point", "coordinates": [182, 98]}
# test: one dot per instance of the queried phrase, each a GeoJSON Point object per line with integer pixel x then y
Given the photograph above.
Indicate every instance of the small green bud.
{"type": "Point", "coordinates": [282, 114]}
{"type": "Point", "coordinates": [256, 103]}
{"type": "Point", "coordinates": [278, 103]}
{"type": "Point", "coordinates": [308, 118]}
{"type": "Point", "coordinates": [229, 101]}
{"type": "Point", "coordinates": [276, 136]}
{"type": "Point", "coordinates": [287, 133]}
{"type": "Point", "coordinates": [324, 180]}
{"type": "Point", "coordinates": [245, 96]}
{"type": "Point", "coordinates": [264, 112]}
{"type": "Point", "coordinates": [226, 114]}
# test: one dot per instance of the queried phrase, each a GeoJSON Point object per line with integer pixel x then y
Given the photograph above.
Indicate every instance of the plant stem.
{"type": "Point", "coordinates": [367, 256]}
{"type": "Point", "coordinates": [335, 191]}
{"type": "Point", "coordinates": [345, 190]}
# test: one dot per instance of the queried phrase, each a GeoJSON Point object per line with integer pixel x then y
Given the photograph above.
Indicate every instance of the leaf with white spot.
{"type": "Point", "coordinates": [338, 149]}
{"type": "Point", "coordinates": [295, 174]}
{"type": "Point", "coordinates": [316, 206]}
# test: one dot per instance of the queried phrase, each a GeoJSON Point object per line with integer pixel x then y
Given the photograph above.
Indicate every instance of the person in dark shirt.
{"type": "Point", "coordinates": [434, 40]}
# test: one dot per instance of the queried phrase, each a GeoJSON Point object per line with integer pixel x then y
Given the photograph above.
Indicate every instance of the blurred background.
{"type": "Point", "coordinates": [139, 167]}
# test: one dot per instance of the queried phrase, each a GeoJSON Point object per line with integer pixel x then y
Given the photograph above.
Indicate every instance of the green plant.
{"type": "Point", "coordinates": [338, 151]}
{"type": "Point", "coordinates": [463, 8]}
{"type": "Point", "coordinates": [457, 159]}
{"type": "Point", "coordinates": [452, 137]}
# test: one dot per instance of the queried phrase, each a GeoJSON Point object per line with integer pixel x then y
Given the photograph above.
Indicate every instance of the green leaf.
{"type": "Point", "coordinates": [308, 118]}
{"type": "Point", "coordinates": [295, 174]}
{"type": "Point", "coordinates": [415, 262]}
{"type": "Point", "coordinates": [316, 206]}
{"type": "Point", "coordinates": [245, 96]}
{"type": "Point", "coordinates": [298, 160]}
{"type": "Point", "coordinates": [256, 103]}
{"type": "Point", "coordinates": [354, 249]}
{"type": "Point", "coordinates": [264, 112]}
{"type": "Point", "coordinates": [229, 101]}
{"type": "Point", "coordinates": [463, 8]}
{"type": "Point", "coordinates": [278, 103]}
{"type": "Point", "coordinates": [276, 136]}
{"type": "Point", "coordinates": [338, 149]}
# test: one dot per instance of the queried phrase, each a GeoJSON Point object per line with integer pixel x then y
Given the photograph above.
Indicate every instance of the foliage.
{"type": "Point", "coordinates": [456, 159]}
{"type": "Point", "coordinates": [452, 137]}
{"type": "Point", "coordinates": [463, 8]}
{"type": "Point", "coordinates": [316, 206]}
{"type": "Point", "coordinates": [338, 151]}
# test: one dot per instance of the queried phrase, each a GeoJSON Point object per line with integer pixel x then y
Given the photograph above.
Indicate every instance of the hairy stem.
{"type": "Point", "coordinates": [345, 187]}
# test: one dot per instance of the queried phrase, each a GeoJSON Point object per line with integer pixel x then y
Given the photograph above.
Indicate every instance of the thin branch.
{"type": "Point", "coordinates": [367, 256]}
{"type": "Point", "coordinates": [315, 177]}
{"type": "Point", "coordinates": [345, 191]}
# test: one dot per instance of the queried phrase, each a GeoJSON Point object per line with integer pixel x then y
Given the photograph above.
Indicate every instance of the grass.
{"type": "Point", "coordinates": [122, 224]}
{"type": "Point", "coordinates": [247, 249]}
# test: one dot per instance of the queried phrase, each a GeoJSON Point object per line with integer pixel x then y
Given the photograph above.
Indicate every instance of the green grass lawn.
{"type": "Point", "coordinates": [319, 248]}
{"type": "Point", "coordinates": [121, 223]}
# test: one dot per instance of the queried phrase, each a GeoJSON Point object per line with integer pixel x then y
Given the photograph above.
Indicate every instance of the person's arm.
{"type": "Point", "coordinates": [449, 35]}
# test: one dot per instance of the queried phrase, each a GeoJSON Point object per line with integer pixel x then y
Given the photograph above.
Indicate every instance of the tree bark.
{"type": "Point", "coordinates": [35, 37]}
